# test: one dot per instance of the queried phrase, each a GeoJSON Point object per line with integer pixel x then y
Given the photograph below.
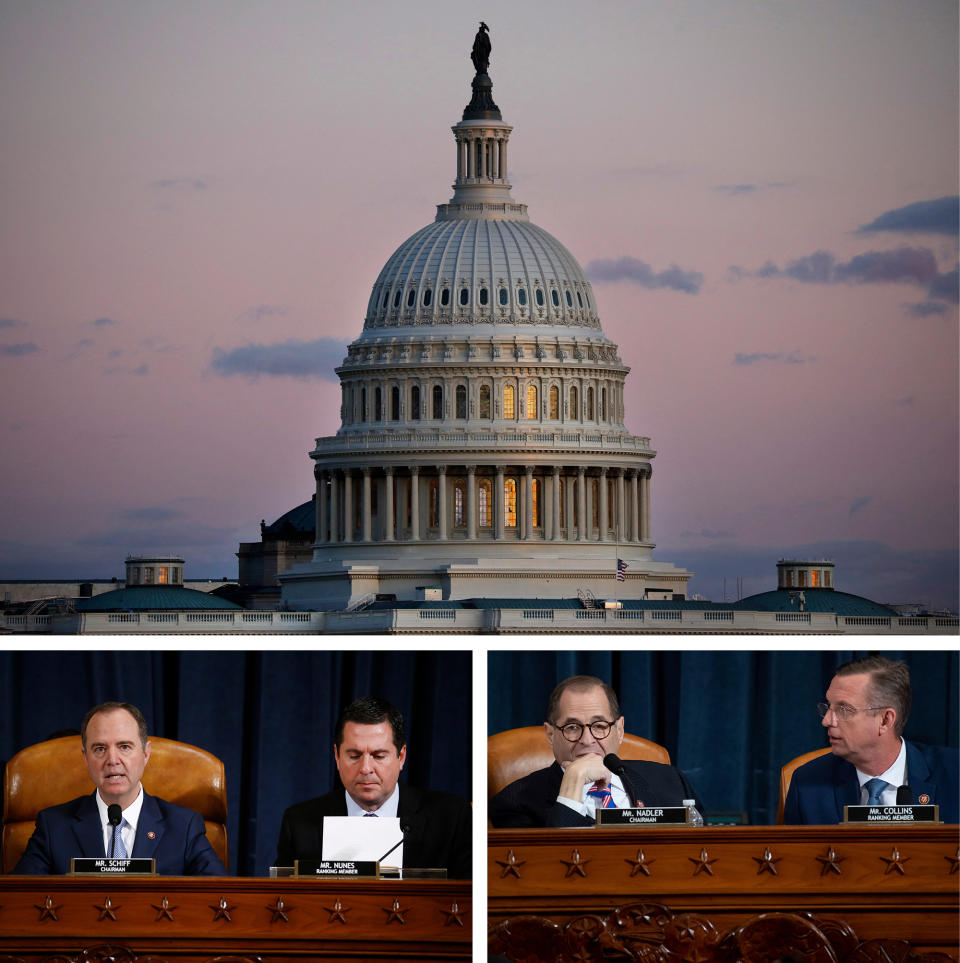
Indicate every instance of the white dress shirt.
{"type": "Point", "coordinates": [387, 808]}
{"type": "Point", "coordinates": [588, 804]}
{"type": "Point", "coordinates": [128, 830]}
{"type": "Point", "coordinates": [895, 776]}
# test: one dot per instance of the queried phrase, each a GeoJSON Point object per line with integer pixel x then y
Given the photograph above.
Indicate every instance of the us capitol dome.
{"type": "Point", "coordinates": [482, 451]}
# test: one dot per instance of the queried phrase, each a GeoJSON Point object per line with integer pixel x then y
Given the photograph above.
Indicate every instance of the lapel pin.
{"type": "Point", "coordinates": [924, 799]}
{"type": "Point", "coordinates": [151, 835]}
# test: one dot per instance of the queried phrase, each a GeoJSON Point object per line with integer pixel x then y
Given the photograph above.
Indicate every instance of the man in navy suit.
{"type": "Point", "coordinates": [867, 705]}
{"type": "Point", "coordinates": [116, 750]}
{"type": "Point", "coordinates": [584, 725]}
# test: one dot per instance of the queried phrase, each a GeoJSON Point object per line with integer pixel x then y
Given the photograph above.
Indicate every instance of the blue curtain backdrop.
{"type": "Point", "coordinates": [730, 720]}
{"type": "Point", "coordinates": [269, 716]}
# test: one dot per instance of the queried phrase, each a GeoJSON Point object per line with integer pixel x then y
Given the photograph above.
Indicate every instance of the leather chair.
{"type": "Point", "coordinates": [786, 774]}
{"type": "Point", "coordinates": [53, 772]}
{"type": "Point", "coordinates": [516, 753]}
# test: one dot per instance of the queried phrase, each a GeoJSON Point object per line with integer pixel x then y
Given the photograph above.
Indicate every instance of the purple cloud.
{"type": "Point", "coordinates": [793, 357]}
{"type": "Point", "coordinates": [18, 350]}
{"type": "Point", "coordinates": [940, 216]}
{"type": "Point", "coordinates": [290, 359]}
{"type": "Point", "coordinates": [639, 272]}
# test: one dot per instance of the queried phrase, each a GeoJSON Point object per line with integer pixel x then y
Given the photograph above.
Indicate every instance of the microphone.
{"type": "Point", "coordinates": [114, 818]}
{"type": "Point", "coordinates": [404, 829]}
{"type": "Point", "coordinates": [616, 765]}
{"type": "Point", "coordinates": [904, 796]}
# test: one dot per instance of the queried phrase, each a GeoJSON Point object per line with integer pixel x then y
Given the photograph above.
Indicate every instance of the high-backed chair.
{"type": "Point", "coordinates": [516, 753]}
{"type": "Point", "coordinates": [786, 774]}
{"type": "Point", "coordinates": [54, 772]}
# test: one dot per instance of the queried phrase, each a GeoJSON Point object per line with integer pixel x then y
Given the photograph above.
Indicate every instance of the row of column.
{"type": "Point", "coordinates": [481, 157]}
{"type": "Point", "coordinates": [336, 512]}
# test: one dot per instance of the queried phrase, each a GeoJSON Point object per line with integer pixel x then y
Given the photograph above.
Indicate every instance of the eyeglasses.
{"type": "Point", "coordinates": [572, 731]}
{"type": "Point", "coordinates": [844, 712]}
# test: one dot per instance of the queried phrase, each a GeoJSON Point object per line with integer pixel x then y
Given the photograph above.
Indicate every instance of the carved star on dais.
{"type": "Point", "coordinates": [454, 915]}
{"type": "Point", "coordinates": [164, 910]}
{"type": "Point", "coordinates": [222, 911]}
{"type": "Point", "coordinates": [641, 864]}
{"type": "Point", "coordinates": [702, 865]}
{"type": "Point", "coordinates": [395, 914]}
{"type": "Point", "coordinates": [279, 911]}
{"type": "Point", "coordinates": [107, 910]}
{"type": "Point", "coordinates": [511, 865]}
{"type": "Point", "coordinates": [831, 862]}
{"type": "Point", "coordinates": [575, 865]}
{"type": "Point", "coordinates": [895, 862]}
{"type": "Point", "coordinates": [48, 911]}
{"type": "Point", "coordinates": [337, 912]}
{"type": "Point", "coordinates": [767, 863]}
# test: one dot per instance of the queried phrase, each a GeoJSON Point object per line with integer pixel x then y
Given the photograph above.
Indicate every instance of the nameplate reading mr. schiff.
{"type": "Point", "coordinates": [96, 866]}
{"type": "Point", "coordinates": [336, 867]}
{"type": "Point", "coordinates": [891, 814]}
{"type": "Point", "coordinates": [642, 816]}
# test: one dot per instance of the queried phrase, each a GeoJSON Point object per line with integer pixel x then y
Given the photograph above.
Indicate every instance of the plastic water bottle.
{"type": "Point", "coordinates": [695, 818]}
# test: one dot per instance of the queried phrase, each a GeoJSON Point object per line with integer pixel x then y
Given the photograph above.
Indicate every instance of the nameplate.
{"type": "Point", "coordinates": [336, 867]}
{"type": "Point", "coordinates": [642, 816]}
{"type": "Point", "coordinates": [96, 866]}
{"type": "Point", "coordinates": [891, 814]}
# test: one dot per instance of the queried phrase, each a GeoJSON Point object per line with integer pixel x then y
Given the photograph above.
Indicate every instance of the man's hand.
{"type": "Point", "coordinates": [581, 772]}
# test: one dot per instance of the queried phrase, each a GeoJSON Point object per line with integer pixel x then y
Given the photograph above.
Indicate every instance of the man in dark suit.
{"type": "Point", "coordinates": [584, 725]}
{"type": "Point", "coordinates": [116, 749]}
{"type": "Point", "coordinates": [867, 705]}
{"type": "Point", "coordinates": [370, 751]}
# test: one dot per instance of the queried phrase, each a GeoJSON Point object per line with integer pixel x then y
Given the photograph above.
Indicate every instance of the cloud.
{"type": "Point", "coordinates": [738, 190]}
{"type": "Point", "coordinates": [287, 359]}
{"type": "Point", "coordinates": [150, 514]}
{"type": "Point", "coordinates": [940, 216]}
{"type": "Point", "coordinates": [181, 184]}
{"type": "Point", "coordinates": [860, 503]}
{"type": "Point", "coordinates": [101, 322]}
{"type": "Point", "coordinates": [946, 286]}
{"type": "Point", "coordinates": [904, 265]}
{"type": "Point", "coordinates": [708, 533]}
{"type": "Point", "coordinates": [793, 357]}
{"type": "Point", "coordinates": [11, 323]}
{"type": "Point", "coordinates": [262, 311]}
{"type": "Point", "coordinates": [18, 350]}
{"type": "Point", "coordinates": [924, 309]}
{"type": "Point", "coordinates": [122, 369]}
{"type": "Point", "coordinates": [639, 272]}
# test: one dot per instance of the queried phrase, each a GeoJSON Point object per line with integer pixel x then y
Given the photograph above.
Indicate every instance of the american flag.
{"type": "Point", "coordinates": [621, 569]}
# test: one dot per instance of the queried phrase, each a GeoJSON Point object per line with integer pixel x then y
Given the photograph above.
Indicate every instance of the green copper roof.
{"type": "Point", "coordinates": [147, 598]}
{"type": "Point", "coordinates": [816, 600]}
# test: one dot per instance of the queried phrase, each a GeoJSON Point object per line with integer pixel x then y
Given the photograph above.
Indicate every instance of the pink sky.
{"type": "Point", "coordinates": [183, 180]}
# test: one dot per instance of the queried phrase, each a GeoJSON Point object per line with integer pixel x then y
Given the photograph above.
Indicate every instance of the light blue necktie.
{"type": "Point", "coordinates": [874, 787]}
{"type": "Point", "coordinates": [119, 849]}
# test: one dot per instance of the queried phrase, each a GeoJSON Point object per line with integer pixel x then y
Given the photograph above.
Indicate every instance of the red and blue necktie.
{"type": "Point", "coordinates": [602, 795]}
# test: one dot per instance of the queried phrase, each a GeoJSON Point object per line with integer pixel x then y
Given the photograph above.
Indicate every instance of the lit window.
{"type": "Point", "coordinates": [438, 402]}
{"type": "Point", "coordinates": [485, 401]}
{"type": "Point", "coordinates": [536, 501]}
{"type": "Point", "coordinates": [415, 403]}
{"type": "Point", "coordinates": [539, 298]}
{"type": "Point", "coordinates": [574, 404]}
{"type": "Point", "coordinates": [510, 502]}
{"type": "Point", "coordinates": [484, 296]}
{"type": "Point", "coordinates": [484, 498]}
{"type": "Point", "coordinates": [531, 401]}
{"type": "Point", "coordinates": [461, 401]}
{"type": "Point", "coordinates": [521, 297]}
{"type": "Point", "coordinates": [509, 402]}
{"type": "Point", "coordinates": [554, 402]}
{"type": "Point", "coordinates": [814, 581]}
{"type": "Point", "coordinates": [503, 296]}
{"type": "Point", "coordinates": [427, 297]}
{"type": "Point", "coordinates": [445, 297]}
{"type": "Point", "coordinates": [162, 575]}
{"type": "Point", "coordinates": [464, 296]}
{"type": "Point", "coordinates": [563, 502]}
{"type": "Point", "coordinates": [555, 297]}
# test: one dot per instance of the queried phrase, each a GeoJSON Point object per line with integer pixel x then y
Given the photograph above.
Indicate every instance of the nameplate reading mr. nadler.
{"type": "Point", "coordinates": [891, 814]}
{"type": "Point", "coordinates": [335, 867]}
{"type": "Point", "coordinates": [642, 816]}
{"type": "Point", "coordinates": [96, 866]}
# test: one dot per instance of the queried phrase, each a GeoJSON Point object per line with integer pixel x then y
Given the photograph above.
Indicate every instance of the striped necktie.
{"type": "Point", "coordinates": [602, 795]}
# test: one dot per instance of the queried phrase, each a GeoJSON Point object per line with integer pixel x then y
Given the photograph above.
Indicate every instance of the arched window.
{"type": "Point", "coordinates": [580, 300]}
{"type": "Point", "coordinates": [459, 502]}
{"type": "Point", "coordinates": [603, 404]}
{"type": "Point", "coordinates": [438, 402]}
{"type": "Point", "coordinates": [509, 402]}
{"type": "Point", "coordinates": [485, 502]}
{"type": "Point", "coordinates": [536, 502]}
{"type": "Point", "coordinates": [377, 405]}
{"type": "Point", "coordinates": [394, 403]}
{"type": "Point", "coordinates": [569, 299]}
{"type": "Point", "coordinates": [411, 297]}
{"type": "Point", "coordinates": [504, 297]}
{"type": "Point", "coordinates": [531, 401]}
{"type": "Point", "coordinates": [461, 401]}
{"type": "Point", "coordinates": [589, 404]}
{"type": "Point", "coordinates": [521, 297]}
{"type": "Point", "coordinates": [427, 297]}
{"type": "Point", "coordinates": [415, 403]}
{"type": "Point", "coordinates": [484, 297]}
{"type": "Point", "coordinates": [555, 297]}
{"type": "Point", "coordinates": [510, 502]}
{"type": "Point", "coordinates": [386, 300]}
{"type": "Point", "coordinates": [485, 401]}
{"type": "Point", "coordinates": [563, 502]}
{"type": "Point", "coordinates": [464, 296]}
{"type": "Point", "coordinates": [574, 404]}
{"type": "Point", "coordinates": [539, 297]}
{"type": "Point", "coordinates": [434, 503]}
{"type": "Point", "coordinates": [595, 499]}
{"type": "Point", "coordinates": [396, 299]}
{"type": "Point", "coordinates": [445, 297]}
{"type": "Point", "coordinates": [554, 402]}
{"type": "Point", "coordinates": [363, 404]}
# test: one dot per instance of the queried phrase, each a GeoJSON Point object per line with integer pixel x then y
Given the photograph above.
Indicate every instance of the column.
{"type": "Point", "coordinates": [498, 501]}
{"type": "Point", "coordinates": [495, 159]}
{"type": "Point", "coordinates": [620, 519]}
{"type": "Point", "coordinates": [334, 507]}
{"type": "Point", "coordinates": [634, 507]}
{"type": "Point", "coordinates": [503, 159]}
{"type": "Point", "coordinates": [347, 505]}
{"type": "Point", "coordinates": [472, 503]}
{"type": "Point", "coordinates": [320, 508]}
{"type": "Point", "coordinates": [582, 527]}
{"type": "Point", "coordinates": [603, 516]}
{"type": "Point", "coordinates": [528, 507]}
{"type": "Point", "coordinates": [389, 511]}
{"type": "Point", "coordinates": [484, 149]}
{"type": "Point", "coordinates": [415, 503]}
{"type": "Point", "coordinates": [555, 532]}
{"type": "Point", "coordinates": [646, 507]}
{"type": "Point", "coordinates": [471, 158]}
{"type": "Point", "coordinates": [365, 508]}
{"type": "Point", "coordinates": [442, 500]}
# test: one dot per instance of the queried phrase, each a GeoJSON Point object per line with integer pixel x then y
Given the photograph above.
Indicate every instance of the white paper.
{"type": "Point", "coordinates": [362, 838]}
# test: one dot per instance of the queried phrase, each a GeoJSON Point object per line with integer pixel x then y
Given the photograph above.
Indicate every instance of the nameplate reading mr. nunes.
{"type": "Point", "coordinates": [891, 814]}
{"type": "Point", "coordinates": [336, 867]}
{"type": "Point", "coordinates": [642, 816]}
{"type": "Point", "coordinates": [96, 866]}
